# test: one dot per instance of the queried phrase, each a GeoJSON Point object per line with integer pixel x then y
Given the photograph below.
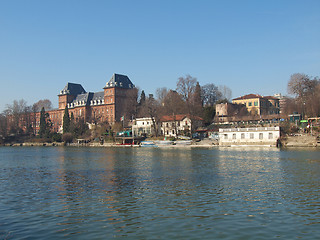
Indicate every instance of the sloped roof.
{"type": "Point", "coordinates": [248, 96]}
{"type": "Point", "coordinates": [121, 81]}
{"type": "Point", "coordinates": [97, 96]}
{"type": "Point", "coordinates": [72, 89]}
{"type": "Point", "coordinates": [82, 97]}
{"type": "Point", "coordinates": [178, 117]}
{"type": "Point", "coordinates": [86, 98]}
{"type": "Point", "coordinates": [271, 97]}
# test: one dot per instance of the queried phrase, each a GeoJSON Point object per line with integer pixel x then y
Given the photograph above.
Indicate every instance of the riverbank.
{"type": "Point", "coordinates": [298, 140]}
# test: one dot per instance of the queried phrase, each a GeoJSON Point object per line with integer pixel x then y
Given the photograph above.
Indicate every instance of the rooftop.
{"type": "Point", "coordinates": [118, 80]}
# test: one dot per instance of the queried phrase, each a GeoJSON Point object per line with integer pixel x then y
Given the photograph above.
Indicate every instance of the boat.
{"type": "Point", "coordinates": [183, 142]}
{"type": "Point", "coordinates": [148, 144]}
{"type": "Point", "coordinates": [164, 143]}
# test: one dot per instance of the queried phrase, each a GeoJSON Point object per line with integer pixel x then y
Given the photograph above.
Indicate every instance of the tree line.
{"type": "Point", "coordinates": [189, 97]}
{"type": "Point", "coordinates": [305, 91]}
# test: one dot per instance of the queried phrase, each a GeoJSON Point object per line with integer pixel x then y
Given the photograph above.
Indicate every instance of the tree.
{"type": "Point", "coordinates": [142, 98]}
{"type": "Point", "coordinates": [151, 108]}
{"type": "Point", "coordinates": [173, 104]}
{"type": "Point", "coordinates": [43, 123]}
{"type": "Point", "coordinates": [186, 86]}
{"type": "Point", "coordinates": [3, 125]}
{"type": "Point", "coordinates": [208, 114]}
{"type": "Point", "coordinates": [15, 113]}
{"type": "Point", "coordinates": [226, 92]}
{"type": "Point", "coordinates": [44, 103]}
{"type": "Point", "coordinates": [161, 94]}
{"type": "Point", "coordinates": [66, 121]}
{"type": "Point", "coordinates": [196, 105]}
{"type": "Point", "coordinates": [305, 89]}
{"type": "Point", "coordinates": [210, 94]}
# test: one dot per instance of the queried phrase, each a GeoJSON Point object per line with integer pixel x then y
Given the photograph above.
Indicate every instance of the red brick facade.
{"type": "Point", "coordinates": [107, 106]}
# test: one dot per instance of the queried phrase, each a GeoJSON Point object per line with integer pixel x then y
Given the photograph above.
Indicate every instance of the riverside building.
{"type": "Point", "coordinates": [108, 105]}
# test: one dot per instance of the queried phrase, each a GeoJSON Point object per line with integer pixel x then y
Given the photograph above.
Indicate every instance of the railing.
{"type": "Point", "coordinates": [257, 129]}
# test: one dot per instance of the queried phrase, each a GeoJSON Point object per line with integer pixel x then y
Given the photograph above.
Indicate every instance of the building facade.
{"type": "Point", "coordinates": [249, 136]}
{"type": "Point", "coordinates": [259, 105]}
{"type": "Point", "coordinates": [143, 127]}
{"type": "Point", "coordinates": [172, 126]}
{"type": "Point", "coordinates": [107, 106]}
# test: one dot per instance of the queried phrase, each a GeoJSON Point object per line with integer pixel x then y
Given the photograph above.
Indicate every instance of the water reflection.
{"type": "Point", "coordinates": [145, 193]}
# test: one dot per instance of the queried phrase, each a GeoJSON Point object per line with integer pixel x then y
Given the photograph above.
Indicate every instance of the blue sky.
{"type": "Point", "coordinates": [249, 46]}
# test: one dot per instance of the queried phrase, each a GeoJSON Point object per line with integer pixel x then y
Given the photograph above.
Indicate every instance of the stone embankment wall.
{"type": "Point", "coordinates": [300, 140]}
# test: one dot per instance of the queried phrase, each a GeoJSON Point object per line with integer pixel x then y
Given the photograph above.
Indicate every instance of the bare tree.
{"type": "Point", "coordinates": [161, 94]}
{"type": "Point", "coordinates": [305, 89]}
{"type": "Point", "coordinates": [15, 113]}
{"type": "Point", "coordinates": [186, 86]}
{"type": "Point", "coordinates": [44, 103]}
{"type": "Point", "coordinates": [151, 108]}
{"type": "Point", "coordinates": [210, 94]}
{"type": "Point", "coordinates": [226, 92]}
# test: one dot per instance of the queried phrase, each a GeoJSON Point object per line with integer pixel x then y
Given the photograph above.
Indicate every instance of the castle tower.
{"type": "Point", "coordinates": [116, 96]}
{"type": "Point", "coordinates": [68, 93]}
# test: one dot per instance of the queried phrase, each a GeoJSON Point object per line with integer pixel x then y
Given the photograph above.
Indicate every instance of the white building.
{"type": "Point", "coordinates": [180, 124]}
{"type": "Point", "coordinates": [143, 126]}
{"type": "Point", "coordinates": [249, 136]}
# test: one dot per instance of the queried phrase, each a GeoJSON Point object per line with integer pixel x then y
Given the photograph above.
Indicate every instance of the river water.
{"type": "Point", "coordinates": [159, 193]}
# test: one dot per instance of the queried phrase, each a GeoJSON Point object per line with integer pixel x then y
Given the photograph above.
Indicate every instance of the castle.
{"type": "Point", "coordinates": [108, 105]}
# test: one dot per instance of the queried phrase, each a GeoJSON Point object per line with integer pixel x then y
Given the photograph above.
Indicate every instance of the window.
{"type": "Point", "coordinates": [256, 103]}
{"type": "Point", "coordinates": [234, 136]}
{"type": "Point", "coordinates": [260, 135]}
{"type": "Point", "coordinates": [251, 136]}
{"type": "Point", "coordinates": [225, 136]}
{"type": "Point", "coordinates": [172, 131]}
{"type": "Point", "coordinates": [249, 104]}
{"type": "Point", "coordinates": [270, 135]}
{"type": "Point", "coordinates": [242, 135]}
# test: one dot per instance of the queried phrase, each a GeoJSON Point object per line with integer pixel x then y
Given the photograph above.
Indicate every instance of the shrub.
{"type": "Point", "coordinates": [67, 137]}
{"type": "Point", "coordinates": [57, 137]}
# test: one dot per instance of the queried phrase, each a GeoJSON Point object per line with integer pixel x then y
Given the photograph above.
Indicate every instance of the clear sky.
{"type": "Point", "coordinates": [249, 46]}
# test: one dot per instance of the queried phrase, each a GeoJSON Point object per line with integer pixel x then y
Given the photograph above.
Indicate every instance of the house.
{"type": "Point", "coordinates": [259, 105]}
{"type": "Point", "coordinates": [174, 125]}
{"type": "Point", "coordinates": [143, 127]}
{"type": "Point", "coordinates": [249, 136]}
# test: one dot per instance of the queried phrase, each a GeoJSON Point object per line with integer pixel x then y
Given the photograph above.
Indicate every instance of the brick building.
{"type": "Point", "coordinates": [108, 105]}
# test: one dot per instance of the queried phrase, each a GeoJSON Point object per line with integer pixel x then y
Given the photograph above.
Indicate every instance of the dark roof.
{"type": "Point", "coordinates": [72, 89]}
{"type": "Point", "coordinates": [86, 98]}
{"type": "Point", "coordinates": [82, 97]}
{"type": "Point", "coordinates": [118, 80]}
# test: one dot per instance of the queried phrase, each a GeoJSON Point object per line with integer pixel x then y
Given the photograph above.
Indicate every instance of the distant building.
{"type": "Point", "coordinates": [143, 126]}
{"type": "Point", "coordinates": [108, 105]}
{"type": "Point", "coordinates": [172, 126]}
{"type": "Point", "coordinates": [224, 111]}
{"type": "Point", "coordinates": [259, 105]}
{"type": "Point", "coordinates": [249, 136]}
